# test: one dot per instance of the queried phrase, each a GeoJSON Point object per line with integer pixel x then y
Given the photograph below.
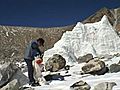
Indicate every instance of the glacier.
{"type": "Point", "coordinates": [98, 38]}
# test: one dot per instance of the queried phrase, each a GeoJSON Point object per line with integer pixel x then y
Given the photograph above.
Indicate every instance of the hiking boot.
{"type": "Point", "coordinates": [35, 84]}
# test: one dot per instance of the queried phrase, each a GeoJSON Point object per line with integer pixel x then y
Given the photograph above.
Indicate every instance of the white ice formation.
{"type": "Point", "coordinates": [97, 38]}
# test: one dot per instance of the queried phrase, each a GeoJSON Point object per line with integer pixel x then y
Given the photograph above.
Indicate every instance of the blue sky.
{"type": "Point", "coordinates": [50, 13]}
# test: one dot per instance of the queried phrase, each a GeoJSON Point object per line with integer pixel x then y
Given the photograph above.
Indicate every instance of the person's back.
{"type": "Point", "coordinates": [31, 50]}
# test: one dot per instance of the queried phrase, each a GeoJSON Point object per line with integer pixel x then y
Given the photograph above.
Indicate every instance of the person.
{"type": "Point", "coordinates": [31, 51]}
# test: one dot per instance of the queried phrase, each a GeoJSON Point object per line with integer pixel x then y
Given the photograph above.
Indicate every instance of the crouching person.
{"type": "Point", "coordinates": [38, 68]}
{"type": "Point", "coordinates": [31, 51]}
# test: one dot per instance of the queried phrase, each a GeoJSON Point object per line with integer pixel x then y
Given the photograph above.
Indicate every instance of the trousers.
{"type": "Point", "coordinates": [30, 70]}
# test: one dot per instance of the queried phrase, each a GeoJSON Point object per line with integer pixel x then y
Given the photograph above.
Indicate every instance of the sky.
{"type": "Point", "coordinates": [50, 13]}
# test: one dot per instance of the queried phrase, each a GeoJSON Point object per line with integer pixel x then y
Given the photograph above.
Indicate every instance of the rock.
{"type": "Point", "coordinates": [27, 88]}
{"type": "Point", "coordinates": [13, 85]}
{"type": "Point", "coordinates": [85, 58]}
{"type": "Point", "coordinates": [7, 70]}
{"type": "Point", "coordinates": [105, 86]}
{"type": "Point", "coordinates": [95, 66]}
{"type": "Point", "coordinates": [117, 54]}
{"type": "Point", "coordinates": [81, 85]}
{"type": "Point", "coordinates": [55, 63]}
{"type": "Point", "coordinates": [114, 68]}
{"type": "Point", "coordinates": [22, 79]}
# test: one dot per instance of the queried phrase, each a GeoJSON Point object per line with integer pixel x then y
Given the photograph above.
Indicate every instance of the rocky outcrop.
{"type": "Point", "coordinates": [85, 58]}
{"type": "Point", "coordinates": [105, 86]}
{"type": "Point", "coordinates": [80, 85]}
{"type": "Point", "coordinates": [95, 66]}
{"type": "Point", "coordinates": [55, 63]}
{"type": "Point", "coordinates": [13, 85]}
{"type": "Point", "coordinates": [11, 77]}
{"type": "Point", "coordinates": [7, 70]}
{"type": "Point", "coordinates": [21, 78]}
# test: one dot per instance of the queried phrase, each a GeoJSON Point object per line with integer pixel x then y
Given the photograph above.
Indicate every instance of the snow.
{"type": "Point", "coordinates": [97, 38]}
{"type": "Point", "coordinates": [92, 80]}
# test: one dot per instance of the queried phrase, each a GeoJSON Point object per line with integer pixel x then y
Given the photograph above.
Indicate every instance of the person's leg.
{"type": "Point", "coordinates": [30, 71]}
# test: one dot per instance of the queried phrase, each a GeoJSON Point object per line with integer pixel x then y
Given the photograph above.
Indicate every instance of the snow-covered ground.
{"type": "Point", "coordinates": [76, 76]}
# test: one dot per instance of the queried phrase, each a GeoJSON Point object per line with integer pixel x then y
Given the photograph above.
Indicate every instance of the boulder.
{"type": "Point", "coordinates": [27, 88]}
{"type": "Point", "coordinates": [6, 72]}
{"type": "Point", "coordinates": [114, 68]}
{"type": "Point", "coordinates": [13, 85]}
{"type": "Point", "coordinates": [85, 58]}
{"type": "Point", "coordinates": [95, 66]}
{"type": "Point", "coordinates": [80, 85]}
{"type": "Point", "coordinates": [22, 79]}
{"type": "Point", "coordinates": [104, 86]}
{"type": "Point", "coordinates": [55, 63]}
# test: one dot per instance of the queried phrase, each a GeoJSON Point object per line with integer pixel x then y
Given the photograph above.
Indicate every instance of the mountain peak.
{"type": "Point", "coordinates": [105, 20]}
{"type": "Point", "coordinates": [113, 16]}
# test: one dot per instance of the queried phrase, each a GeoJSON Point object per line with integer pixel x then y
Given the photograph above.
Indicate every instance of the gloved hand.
{"type": "Point", "coordinates": [38, 60]}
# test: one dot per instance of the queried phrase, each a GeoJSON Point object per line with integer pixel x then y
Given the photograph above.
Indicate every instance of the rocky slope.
{"type": "Point", "coordinates": [14, 39]}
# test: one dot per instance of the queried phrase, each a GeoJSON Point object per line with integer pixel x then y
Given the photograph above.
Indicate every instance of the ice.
{"type": "Point", "coordinates": [97, 38]}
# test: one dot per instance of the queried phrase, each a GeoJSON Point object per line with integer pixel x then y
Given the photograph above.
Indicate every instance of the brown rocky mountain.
{"type": "Point", "coordinates": [13, 39]}
{"type": "Point", "coordinates": [112, 14]}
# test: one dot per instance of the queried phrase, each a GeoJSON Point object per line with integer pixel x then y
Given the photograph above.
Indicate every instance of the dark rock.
{"type": "Point", "coordinates": [95, 66]}
{"type": "Point", "coordinates": [81, 85]}
{"type": "Point", "coordinates": [22, 79]}
{"type": "Point", "coordinates": [7, 70]}
{"type": "Point", "coordinates": [114, 68]}
{"type": "Point", "coordinates": [13, 85]}
{"type": "Point", "coordinates": [55, 63]}
{"type": "Point", "coordinates": [27, 88]}
{"type": "Point", "coordinates": [101, 72]}
{"type": "Point", "coordinates": [117, 54]}
{"type": "Point", "coordinates": [85, 58]}
{"type": "Point", "coordinates": [105, 86]}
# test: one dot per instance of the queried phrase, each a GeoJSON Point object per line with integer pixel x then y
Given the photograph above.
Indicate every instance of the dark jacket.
{"type": "Point", "coordinates": [32, 50]}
